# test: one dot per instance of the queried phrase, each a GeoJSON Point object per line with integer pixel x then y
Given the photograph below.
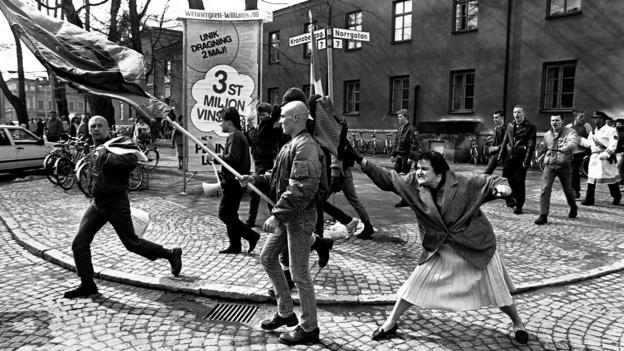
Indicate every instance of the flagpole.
{"type": "Point", "coordinates": [218, 159]}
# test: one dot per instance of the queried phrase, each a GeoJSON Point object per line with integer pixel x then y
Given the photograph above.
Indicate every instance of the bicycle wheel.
{"type": "Point", "coordinates": [152, 159]}
{"type": "Point", "coordinates": [64, 172]}
{"type": "Point", "coordinates": [48, 165]}
{"type": "Point", "coordinates": [585, 165]}
{"type": "Point", "coordinates": [84, 178]}
{"type": "Point", "coordinates": [136, 178]}
{"type": "Point", "coordinates": [540, 163]}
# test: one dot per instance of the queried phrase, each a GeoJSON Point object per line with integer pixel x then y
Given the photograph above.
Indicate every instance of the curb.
{"type": "Point", "coordinates": [230, 292]}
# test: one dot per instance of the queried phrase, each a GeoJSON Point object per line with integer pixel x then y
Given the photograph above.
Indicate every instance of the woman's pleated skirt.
{"type": "Point", "coordinates": [448, 282]}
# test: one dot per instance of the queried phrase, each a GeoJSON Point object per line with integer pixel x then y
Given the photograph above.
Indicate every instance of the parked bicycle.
{"type": "Point", "coordinates": [153, 156]}
{"type": "Point", "coordinates": [388, 144]}
{"type": "Point", "coordinates": [65, 166]}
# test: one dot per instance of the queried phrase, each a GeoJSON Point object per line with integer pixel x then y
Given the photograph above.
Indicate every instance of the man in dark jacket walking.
{"type": "Point", "coordinates": [518, 145]}
{"type": "Point", "coordinates": [499, 133]}
{"type": "Point", "coordinates": [264, 142]}
{"type": "Point", "coordinates": [111, 204]}
{"type": "Point", "coordinates": [236, 154]}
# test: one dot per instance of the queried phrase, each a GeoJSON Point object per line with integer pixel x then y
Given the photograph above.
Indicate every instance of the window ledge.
{"type": "Point", "coordinates": [354, 49]}
{"type": "Point", "coordinates": [400, 42]}
{"type": "Point", "coordinates": [351, 114]}
{"type": "Point", "coordinates": [555, 110]}
{"type": "Point", "coordinates": [562, 15]}
{"type": "Point", "coordinates": [473, 30]}
{"type": "Point", "coordinates": [461, 112]}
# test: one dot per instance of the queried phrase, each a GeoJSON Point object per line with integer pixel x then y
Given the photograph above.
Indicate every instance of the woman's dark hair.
{"type": "Point", "coordinates": [231, 114]}
{"type": "Point", "coordinates": [439, 164]}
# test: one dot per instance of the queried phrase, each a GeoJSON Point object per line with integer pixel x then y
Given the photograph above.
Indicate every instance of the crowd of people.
{"type": "Point", "coordinates": [459, 268]}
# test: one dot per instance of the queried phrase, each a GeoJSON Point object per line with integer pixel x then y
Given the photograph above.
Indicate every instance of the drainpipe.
{"type": "Point", "coordinates": [507, 59]}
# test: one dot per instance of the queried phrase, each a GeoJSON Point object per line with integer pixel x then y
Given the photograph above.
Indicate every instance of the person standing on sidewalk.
{"type": "Point", "coordinates": [518, 145]}
{"type": "Point", "coordinates": [295, 181]}
{"type": "Point", "coordinates": [235, 154]}
{"type": "Point", "coordinates": [54, 127]}
{"type": "Point", "coordinates": [264, 142]}
{"type": "Point", "coordinates": [459, 268]}
{"type": "Point", "coordinates": [602, 162]}
{"type": "Point", "coordinates": [579, 152]}
{"type": "Point", "coordinates": [402, 147]}
{"type": "Point", "coordinates": [116, 158]}
{"type": "Point", "coordinates": [499, 133]}
{"type": "Point", "coordinates": [559, 142]}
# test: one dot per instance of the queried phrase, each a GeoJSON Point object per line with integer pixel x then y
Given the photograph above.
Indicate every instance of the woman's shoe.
{"type": "Point", "coordinates": [520, 334]}
{"type": "Point", "coordinates": [380, 333]}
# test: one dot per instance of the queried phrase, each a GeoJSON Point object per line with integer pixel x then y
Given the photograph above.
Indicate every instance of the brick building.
{"type": "Point", "coordinates": [452, 63]}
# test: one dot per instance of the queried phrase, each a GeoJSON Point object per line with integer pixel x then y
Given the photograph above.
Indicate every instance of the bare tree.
{"type": "Point", "coordinates": [19, 101]}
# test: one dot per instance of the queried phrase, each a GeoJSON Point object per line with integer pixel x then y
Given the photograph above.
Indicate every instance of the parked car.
{"type": "Point", "coordinates": [21, 149]}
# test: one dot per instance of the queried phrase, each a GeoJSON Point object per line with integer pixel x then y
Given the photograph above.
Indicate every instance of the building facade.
{"type": "Point", "coordinates": [456, 60]}
{"type": "Point", "coordinates": [40, 100]}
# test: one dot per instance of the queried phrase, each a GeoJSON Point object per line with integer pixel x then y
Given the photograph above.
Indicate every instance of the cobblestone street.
{"type": "Point", "coordinates": [568, 276]}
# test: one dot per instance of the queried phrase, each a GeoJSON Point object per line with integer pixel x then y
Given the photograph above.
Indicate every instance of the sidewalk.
{"type": "Point", "coordinates": [44, 219]}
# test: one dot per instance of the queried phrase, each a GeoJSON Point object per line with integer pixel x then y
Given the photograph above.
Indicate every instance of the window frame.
{"type": "Point", "coordinates": [454, 29]}
{"type": "Point", "coordinates": [452, 97]}
{"type": "Point", "coordinates": [357, 26]}
{"type": "Point", "coordinates": [347, 102]}
{"type": "Point", "coordinates": [277, 95]}
{"type": "Point", "coordinates": [404, 89]}
{"type": "Point", "coordinates": [274, 55]}
{"type": "Point", "coordinates": [403, 14]}
{"type": "Point", "coordinates": [544, 84]}
{"type": "Point", "coordinates": [550, 15]}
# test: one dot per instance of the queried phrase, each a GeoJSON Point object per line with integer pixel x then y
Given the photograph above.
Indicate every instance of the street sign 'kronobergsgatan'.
{"type": "Point", "coordinates": [305, 37]}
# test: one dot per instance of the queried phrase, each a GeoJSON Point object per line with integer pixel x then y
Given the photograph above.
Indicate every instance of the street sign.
{"type": "Point", "coordinates": [321, 44]}
{"type": "Point", "coordinates": [350, 34]}
{"type": "Point", "coordinates": [337, 43]}
{"type": "Point", "coordinates": [305, 37]}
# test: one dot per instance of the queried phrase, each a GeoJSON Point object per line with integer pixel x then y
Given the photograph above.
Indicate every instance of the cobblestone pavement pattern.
{"type": "Point", "coordinates": [47, 218]}
{"type": "Point", "coordinates": [33, 316]}
{"type": "Point", "coordinates": [577, 316]}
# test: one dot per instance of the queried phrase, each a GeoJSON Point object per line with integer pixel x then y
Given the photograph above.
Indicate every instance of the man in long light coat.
{"type": "Point", "coordinates": [602, 163]}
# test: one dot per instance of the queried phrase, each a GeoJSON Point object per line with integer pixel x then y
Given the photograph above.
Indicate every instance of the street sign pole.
{"type": "Point", "coordinates": [330, 68]}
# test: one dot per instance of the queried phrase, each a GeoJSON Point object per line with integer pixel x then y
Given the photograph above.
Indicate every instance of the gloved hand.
{"type": "Point", "coordinates": [336, 185]}
{"type": "Point", "coordinates": [350, 154]}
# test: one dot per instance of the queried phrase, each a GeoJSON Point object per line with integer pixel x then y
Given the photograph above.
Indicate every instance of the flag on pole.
{"type": "Point", "coordinates": [84, 59]}
{"type": "Point", "coordinates": [315, 69]}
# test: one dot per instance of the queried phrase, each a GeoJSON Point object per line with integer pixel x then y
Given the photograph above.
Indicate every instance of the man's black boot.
{"type": "Point", "coordinates": [322, 247]}
{"type": "Point", "coordinates": [300, 336]}
{"type": "Point", "coordinates": [175, 259]}
{"type": "Point", "coordinates": [542, 219]}
{"type": "Point", "coordinates": [589, 195]}
{"type": "Point", "coordinates": [614, 189]}
{"type": "Point", "coordinates": [86, 288]}
{"type": "Point", "coordinates": [367, 232]}
{"type": "Point", "coordinates": [278, 321]}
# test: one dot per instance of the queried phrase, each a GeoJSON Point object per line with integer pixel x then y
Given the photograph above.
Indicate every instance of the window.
{"type": "Point", "coordinates": [274, 96]}
{"type": "Point", "coordinates": [307, 47]}
{"type": "Point", "coordinates": [50, 105]}
{"type": "Point", "coordinates": [558, 85]}
{"type": "Point", "coordinates": [167, 68]}
{"type": "Point", "coordinates": [399, 93]}
{"type": "Point", "coordinates": [307, 90]}
{"type": "Point", "coordinates": [80, 106]}
{"type": "Point", "coordinates": [402, 23]}
{"type": "Point", "coordinates": [21, 136]}
{"type": "Point", "coordinates": [71, 106]}
{"type": "Point", "coordinates": [563, 7]}
{"type": "Point", "coordinates": [466, 15]}
{"type": "Point", "coordinates": [462, 91]}
{"type": "Point", "coordinates": [40, 104]}
{"type": "Point", "coordinates": [352, 96]}
{"type": "Point", "coordinates": [274, 47]}
{"type": "Point", "coordinates": [354, 22]}
{"type": "Point", "coordinates": [4, 138]}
